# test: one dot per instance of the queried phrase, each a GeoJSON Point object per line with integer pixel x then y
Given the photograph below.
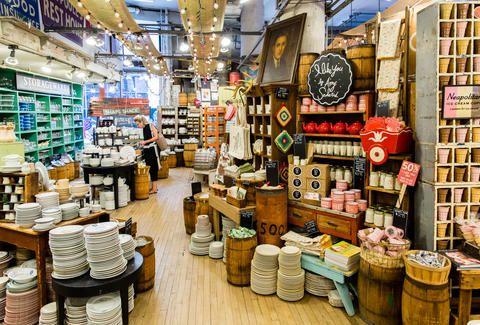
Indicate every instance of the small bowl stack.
{"type": "Point", "coordinates": [55, 213]}
{"type": "Point", "coordinates": [69, 211]}
{"type": "Point", "coordinates": [5, 259]}
{"type": "Point", "coordinates": [227, 225]}
{"type": "Point", "coordinates": [79, 189]}
{"type": "Point", "coordinates": [105, 309]}
{"type": "Point", "coordinates": [27, 213]}
{"type": "Point", "coordinates": [263, 275]}
{"type": "Point", "coordinates": [215, 250]}
{"type": "Point", "coordinates": [291, 276]}
{"type": "Point", "coordinates": [44, 224]}
{"type": "Point", "coordinates": [123, 195]}
{"type": "Point", "coordinates": [201, 238]}
{"type": "Point", "coordinates": [48, 314]}
{"type": "Point", "coordinates": [48, 199]}
{"type": "Point", "coordinates": [76, 311]}
{"type": "Point", "coordinates": [63, 189]}
{"type": "Point", "coordinates": [128, 246]}
{"type": "Point", "coordinates": [318, 285]}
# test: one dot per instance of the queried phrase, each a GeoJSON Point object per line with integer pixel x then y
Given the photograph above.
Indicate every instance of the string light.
{"type": "Point", "coordinates": [87, 17]}
{"type": "Point", "coordinates": [120, 24]}
{"type": "Point", "coordinates": [183, 11]}
{"type": "Point", "coordinates": [116, 14]}
{"type": "Point", "coordinates": [215, 5]}
{"type": "Point", "coordinates": [215, 19]}
{"type": "Point", "coordinates": [79, 4]}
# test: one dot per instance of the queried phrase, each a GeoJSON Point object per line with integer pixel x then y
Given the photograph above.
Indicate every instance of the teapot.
{"type": "Point", "coordinates": [339, 128]}
{"type": "Point", "coordinates": [309, 127]}
{"type": "Point", "coordinates": [354, 128]}
{"type": "Point", "coordinates": [324, 128]}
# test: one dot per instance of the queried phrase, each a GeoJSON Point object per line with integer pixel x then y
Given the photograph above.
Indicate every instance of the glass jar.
{"type": "Point", "coordinates": [378, 218]}
{"type": "Point", "coordinates": [348, 176]}
{"type": "Point", "coordinates": [374, 179]}
{"type": "Point", "coordinates": [389, 182]}
{"type": "Point", "coordinates": [369, 215]}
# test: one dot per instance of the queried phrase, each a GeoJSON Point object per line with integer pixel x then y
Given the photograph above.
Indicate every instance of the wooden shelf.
{"type": "Point", "coordinates": [333, 113]}
{"type": "Point", "coordinates": [333, 157]}
{"type": "Point", "coordinates": [382, 190]}
{"type": "Point", "coordinates": [371, 225]}
{"type": "Point", "coordinates": [343, 136]}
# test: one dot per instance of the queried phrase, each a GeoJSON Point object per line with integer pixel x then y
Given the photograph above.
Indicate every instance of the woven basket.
{"type": "Point", "coordinates": [383, 260]}
{"type": "Point", "coordinates": [425, 274]}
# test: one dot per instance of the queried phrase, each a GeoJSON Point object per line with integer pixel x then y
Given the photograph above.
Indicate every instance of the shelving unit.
{"type": "Point", "coordinates": [23, 186]}
{"type": "Point", "coordinates": [214, 127]}
{"type": "Point", "coordinates": [174, 122]}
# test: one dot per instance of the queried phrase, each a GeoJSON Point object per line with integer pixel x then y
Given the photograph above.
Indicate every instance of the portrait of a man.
{"type": "Point", "coordinates": [280, 51]}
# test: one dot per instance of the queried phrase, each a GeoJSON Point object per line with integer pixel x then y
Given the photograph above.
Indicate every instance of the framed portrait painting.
{"type": "Point", "coordinates": [280, 51]}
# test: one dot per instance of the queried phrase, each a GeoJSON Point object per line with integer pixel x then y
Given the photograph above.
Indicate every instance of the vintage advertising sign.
{"type": "Point", "coordinates": [25, 10]}
{"type": "Point", "coordinates": [461, 101]}
{"type": "Point", "coordinates": [408, 173]}
{"type": "Point", "coordinates": [42, 85]}
{"type": "Point", "coordinates": [61, 13]}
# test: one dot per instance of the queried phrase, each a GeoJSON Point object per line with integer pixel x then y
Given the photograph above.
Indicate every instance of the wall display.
{"type": "Point", "coordinates": [280, 51]}
{"type": "Point", "coordinates": [284, 141]}
{"type": "Point", "coordinates": [461, 102]}
{"type": "Point", "coordinates": [60, 13]}
{"type": "Point", "coordinates": [283, 116]}
{"type": "Point", "coordinates": [388, 40]}
{"type": "Point", "coordinates": [389, 74]}
{"type": "Point", "coordinates": [330, 79]}
{"type": "Point", "coordinates": [25, 10]}
{"type": "Point", "coordinates": [42, 85]}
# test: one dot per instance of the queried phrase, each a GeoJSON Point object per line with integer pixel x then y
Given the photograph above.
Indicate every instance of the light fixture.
{"type": "Point", "coordinates": [69, 73]}
{"type": "Point", "coordinates": [117, 14]}
{"type": "Point", "coordinates": [215, 19]}
{"type": "Point", "coordinates": [220, 66]}
{"type": "Point", "coordinates": [12, 60]}
{"type": "Point", "coordinates": [47, 68]}
{"type": "Point", "coordinates": [215, 5]}
{"type": "Point", "coordinates": [243, 1]}
{"type": "Point", "coordinates": [127, 62]}
{"type": "Point", "coordinates": [81, 74]}
{"type": "Point", "coordinates": [92, 40]}
{"type": "Point", "coordinates": [100, 42]}
{"type": "Point", "coordinates": [224, 50]}
{"type": "Point", "coordinates": [184, 47]}
{"type": "Point", "coordinates": [156, 66]}
{"type": "Point", "coordinates": [183, 11]}
{"type": "Point", "coordinates": [226, 42]}
{"type": "Point", "coordinates": [87, 17]}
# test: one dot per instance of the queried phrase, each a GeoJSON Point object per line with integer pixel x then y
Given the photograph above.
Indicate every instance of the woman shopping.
{"type": "Point", "coordinates": [150, 149]}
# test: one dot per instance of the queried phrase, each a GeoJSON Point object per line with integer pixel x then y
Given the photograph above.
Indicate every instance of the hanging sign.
{"type": "Point", "coordinates": [272, 168]}
{"type": "Point", "coordinates": [25, 10]}
{"type": "Point", "coordinates": [461, 102]}
{"type": "Point", "coordinates": [61, 13]}
{"type": "Point", "coordinates": [42, 85]}
{"type": "Point", "coordinates": [281, 93]}
{"type": "Point", "coordinates": [330, 79]}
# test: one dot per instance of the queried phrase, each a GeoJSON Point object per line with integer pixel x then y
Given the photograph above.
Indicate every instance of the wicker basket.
{"type": "Point", "coordinates": [380, 259]}
{"type": "Point", "coordinates": [425, 274]}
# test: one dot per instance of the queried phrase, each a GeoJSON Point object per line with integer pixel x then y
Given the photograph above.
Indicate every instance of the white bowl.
{"type": "Point", "coordinates": [108, 181]}
{"type": "Point", "coordinates": [94, 162]}
{"type": "Point", "coordinates": [84, 211]}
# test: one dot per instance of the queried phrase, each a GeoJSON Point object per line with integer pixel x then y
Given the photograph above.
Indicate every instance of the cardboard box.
{"type": "Point", "coordinates": [319, 171]}
{"type": "Point", "coordinates": [297, 182]}
{"type": "Point", "coordinates": [318, 185]}
{"type": "Point", "coordinates": [295, 194]}
{"type": "Point", "coordinates": [296, 171]}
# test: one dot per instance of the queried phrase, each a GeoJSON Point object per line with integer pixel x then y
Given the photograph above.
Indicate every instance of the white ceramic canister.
{"type": "Point", "coordinates": [378, 218]}
{"type": "Point", "coordinates": [374, 179]}
{"type": "Point", "coordinates": [387, 219]}
{"type": "Point", "coordinates": [369, 215]}
{"type": "Point", "coordinates": [339, 174]}
{"type": "Point", "coordinates": [389, 182]}
{"type": "Point", "coordinates": [348, 176]}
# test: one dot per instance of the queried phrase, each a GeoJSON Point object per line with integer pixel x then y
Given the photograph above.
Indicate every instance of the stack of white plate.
{"type": "Point", "coordinates": [76, 311]}
{"type": "Point", "coordinates": [3, 298]}
{"type": "Point", "coordinates": [263, 275]}
{"type": "Point", "coordinates": [215, 250]}
{"type": "Point", "coordinates": [291, 276]}
{"type": "Point", "coordinates": [107, 162]}
{"type": "Point", "coordinates": [318, 285]}
{"type": "Point", "coordinates": [48, 314]}
{"type": "Point", "coordinates": [95, 180]}
{"type": "Point", "coordinates": [55, 213]}
{"type": "Point", "coordinates": [44, 224]}
{"type": "Point", "coordinates": [105, 309]}
{"type": "Point", "coordinates": [109, 200]}
{"type": "Point", "coordinates": [22, 308]}
{"type": "Point", "coordinates": [128, 246]}
{"type": "Point", "coordinates": [201, 238]}
{"type": "Point", "coordinates": [21, 280]}
{"type": "Point", "coordinates": [123, 195]}
{"type": "Point", "coordinates": [131, 298]}
{"type": "Point", "coordinates": [68, 250]}
{"type": "Point", "coordinates": [48, 199]}
{"type": "Point", "coordinates": [63, 189]}
{"type": "Point", "coordinates": [5, 259]}
{"type": "Point", "coordinates": [69, 211]}
{"type": "Point", "coordinates": [105, 254]}
{"type": "Point", "coordinates": [227, 225]}
{"type": "Point", "coordinates": [27, 213]}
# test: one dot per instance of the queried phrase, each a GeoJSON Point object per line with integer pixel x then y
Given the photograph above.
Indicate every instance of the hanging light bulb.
{"type": "Point", "coordinates": [69, 73]}
{"type": "Point", "coordinates": [129, 32]}
{"type": "Point", "coordinates": [215, 19]}
{"type": "Point", "coordinates": [87, 17]}
{"type": "Point", "coordinates": [120, 24]}
{"type": "Point", "coordinates": [12, 60]}
{"type": "Point", "coordinates": [99, 26]}
{"type": "Point", "coordinates": [79, 4]}
{"type": "Point", "coordinates": [220, 66]}
{"type": "Point", "coordinates": [224, 50]}
{"type": "Point", "coordinates": [116, 14]}
{"type": "Point", "coordinates": [215, 5]}
{"type": "Point", "coordinates": [47, 68]}
{"type": "Point", "coordinates": [184, 47]}
{"type": "Point", "coordinates": [189, 23]}
{"type": "Point", "coordinates": [212, 28]}
{"type": "Point", "coordinates": [127, 62]}
{"type": "Point", "coordinates": [226, 42]}
{"type": "Point", "coordinates": [81, 74]}
{"type": "Point", "coordinates": [183, 11]}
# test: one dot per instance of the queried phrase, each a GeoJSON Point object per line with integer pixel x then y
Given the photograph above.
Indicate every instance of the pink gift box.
{"type": "Point", "coordinates": [326, 203]}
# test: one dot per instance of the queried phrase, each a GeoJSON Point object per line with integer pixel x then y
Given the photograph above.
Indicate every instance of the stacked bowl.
{"type": "Point", "coordinates": [291, 276]}
{"type": "Point", "coordinates": [215, 249]}
{"type": "Point", "coordinates": [69, 211]}
{"type": "Point", "coordinates": [105, 254]}
{"type": "Point", "coordinates": [128, 245]}
{"type": "Point", "coordinates": [105, 309]}
{"type": "Point", "coordinates": [201, 238]}
{"type": "Point", "coordinates": [79, 189]}
{"type": "Point", "coordinates": [44, 224]}
{"type": "Point", "coordinates": [27, 213]}
{"type": "Point", "coordinates": [76, 311]}
{"type": "Point", "coordinates": [68, 251]}
{"type": "Point", "coordinates": [48, 314]}
{"type": "Point", "coordinates": [48, 199]}
{"type": "Point", "coordinates": [55, 213]}
{"type": "Point", "coordinates": [263, 275]}
{"type": "Point", "coordinates": [123, 195]}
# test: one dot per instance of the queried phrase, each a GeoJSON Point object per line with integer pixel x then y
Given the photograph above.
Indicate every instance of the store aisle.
{"type": "Point", "coordinates": [194, 290]}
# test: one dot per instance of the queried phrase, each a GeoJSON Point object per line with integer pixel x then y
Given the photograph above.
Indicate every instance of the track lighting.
{"type": "Point", "coordinates": [47, 68]}
{"type": "Point", "coordinates": [12, 60]}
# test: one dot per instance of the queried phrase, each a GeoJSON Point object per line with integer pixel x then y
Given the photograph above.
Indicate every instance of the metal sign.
{"type": "Point", "coordinates": [42, 85]}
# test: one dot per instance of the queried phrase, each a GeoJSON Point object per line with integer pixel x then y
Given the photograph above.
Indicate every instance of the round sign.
{"type": "Point", "coordinates": [330, 79]}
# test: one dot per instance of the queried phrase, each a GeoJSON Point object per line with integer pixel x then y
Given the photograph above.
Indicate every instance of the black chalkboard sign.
{"type": "Point", "coordinates": [281, 93]}
{"type": "Point", "coordinates": [246, 219]}
{"type": "Point", "coordinates": [359, 172]}
{"type": "Point", "coordinates": [400, 219]}
{"type": "Point", "coordinates": [330, 79]}
{"type": "Point", "coordinates": [272, 168]}
{"type": "Point", "coordinates": [300, 145]}
{"type": "Point", "coordinates": [128, 226]}
{"type": "Point", "coordinates": [383, 108]}
{"type": "Point", "coordinates": [311, 228]}
{"type": "Point", "coordinates": [196, 188]}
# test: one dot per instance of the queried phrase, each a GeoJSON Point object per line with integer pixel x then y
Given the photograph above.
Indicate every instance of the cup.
{"type": "Point", "coordinates": [474, 174]}
{"type": "Point", "coordinates": [461, 134]}
{"type": "Point", "coordinates": [475, 198]}
{"type": "Point", "coordinates": [461, 28]}
{"type": "Point", "coordinates": [459, 174]}
{"type": "Point", "coordinates": [362, 103]}
{"type": "Point", "coordinates": [461, 64]}
{"type": "Point", "coordinates": [442, 195]}
{"type": "Point", "coordinates": [461, 155]}
{"type": "Point", "coordinates": [349, 150]}
{"type": "Point", "coordinates": [6, 206]}
{"type": "Point", "coordinates": [441, 230]}
{"type": "Point", "coordinates": [458, 194]}
{"type": "Point", "coordinates": [443, 65]}
{"type": "Point", "coordinates": [476, 155]}
{"type": "Point", "coordinates": [444, 135]}
{"type": "Point", "coordinates": [461, 80]}
{"type": "Point", "coordinates": [446, 10]}
{"type": "Point", "coordinates": [443, 154]}
{"type": "Point", "coordinates": [378, 218]}
{"type": "Point", "coordinates": [462, 46]}
{"type": "Point", "coordinates": [445, 28]}
{"type": "Point", "coordinates": [476, 27]}
{"type": "Point", "coordinates": [476, 135]}
{"type": "Point", "coordinates": [445, 45]}
{"type": "Point", "coordinates": [356, 150]}
{"type": "Point", "coordinates": [326, 203]}
{"type": "Point", "coordinates": [460, 211]}
{"type": "Point", "coordinates": [462, 11]}
{"type": "Point", "coordinates": [442, 174]}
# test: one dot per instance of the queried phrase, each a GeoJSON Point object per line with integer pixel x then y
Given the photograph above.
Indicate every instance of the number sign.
{"type": "Point", "coordinates": [408, 173]}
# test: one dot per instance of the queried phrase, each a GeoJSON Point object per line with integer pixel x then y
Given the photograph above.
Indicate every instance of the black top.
{"type": "Point", "coordinates": [147, 132]}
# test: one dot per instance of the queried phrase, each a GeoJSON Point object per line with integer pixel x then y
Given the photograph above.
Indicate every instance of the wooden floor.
{"type": "Point", "coordinates": [194, 290]}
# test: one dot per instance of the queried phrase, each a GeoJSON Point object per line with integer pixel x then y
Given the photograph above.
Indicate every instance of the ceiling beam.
{"type": "Point", "coordinates": [332, 12]}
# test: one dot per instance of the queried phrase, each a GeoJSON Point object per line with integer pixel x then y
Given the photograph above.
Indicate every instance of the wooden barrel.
{"type": "Point", "coordinates": [362, 58]}
{"type": "Point", "coordinates": [70, 170]}
{"type": "Point", "coordinates": [164, 169]}
{"type": "Point", "coordinates": [306, 61]}
{"type": "Point", "coordinates": [202, 206]}
{"type": "Point", "coordinates": [142, 183]}
{"type": "Point", "coordinates": [172, 160]}
{"type": "Point", "coordinates": [146, 278]}
{"type": "Point", "coordinates": [251, 188]}
{"type": "Point", "coordinates": [182, 99]}
{"type": "Point", "coordinates": [52, 173]}
{"type": "Point", "coordinates": [76, 170]}
{"type": "Point", "coordinates": [425, 304]}
{"type": "Point", "coordinates": [61, 172]}
{"type": "Point", "coordinates": [189, 216]}
{"type": "Point", "coordinates": [191, 99]}
{"type": "Point", "coordinates": [380, 293]}
{"type": "Point", "coordinates": [271, 214]}
{"type": "Point", "coordinates": [239, 254]}
{"type": "Point", "coordinates": [188, 156]}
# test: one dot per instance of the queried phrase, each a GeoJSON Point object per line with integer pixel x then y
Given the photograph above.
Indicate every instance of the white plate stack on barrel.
{"type": "Point", "coordinates": [291, 276]}
{"type": "Point", "coordinates": [202, 237]}
{"type": "Point", "coordinates": [263, 276]}
{"type": "Point", "coordinates": [128, 246]}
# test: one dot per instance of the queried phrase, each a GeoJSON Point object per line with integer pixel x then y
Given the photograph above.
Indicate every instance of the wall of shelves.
{"type": "Point", "coordinates": [174, 122]}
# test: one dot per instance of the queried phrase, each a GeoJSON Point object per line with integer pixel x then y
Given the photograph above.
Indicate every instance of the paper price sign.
{"type": "Point", "coordinates": [408, 173]}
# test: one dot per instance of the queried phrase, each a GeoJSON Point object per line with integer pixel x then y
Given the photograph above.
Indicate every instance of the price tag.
{"type": "Point", "coordinates": [408, 173]}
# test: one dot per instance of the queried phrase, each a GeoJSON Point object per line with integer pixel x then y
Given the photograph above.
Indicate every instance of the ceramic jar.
{"type": "Point", "coordinates": [362, 205]}
{"type": "Point", "coordinates": [349, 196]}
{"type": "Point", "coordinates": [351, 207]}
{"type": "Point", "coordinates": [369, 215]}
{"type": "Point", "coordinates": [339, 174]}
{"type": "Point", "coordinates": [374, 179]}
{"type": "Point", "coordinates": [389, 182]}
{"type": "Point", "coordinates": [378, 218]}
{"type": "Point", "coordinates": [348, 176]}
{"type": "Point", "coordinates": [387, 219]}
{"type": "Point", "coordinates": [326, 202]}
{"type": "Point", "coordinates": [341, 185]}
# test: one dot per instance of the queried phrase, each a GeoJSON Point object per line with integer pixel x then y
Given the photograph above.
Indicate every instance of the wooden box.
{"type": "Point", "coordinates": [236, 202]}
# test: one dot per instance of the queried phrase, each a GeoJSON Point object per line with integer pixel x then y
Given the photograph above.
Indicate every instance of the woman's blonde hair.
{"type": "Point", "coordinates": [140, 118]}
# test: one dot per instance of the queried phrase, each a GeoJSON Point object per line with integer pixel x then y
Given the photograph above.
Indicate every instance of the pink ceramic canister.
{"type": "Point", "coordinates": [331, 109]}
{"type": "Point", "coordinates": [458, 194]}
{"type": "Point", "coordinates": [349, 196]}
{"type": "Point", "coordinates": [341, 185]}
{"type": "Point", "coordinates": [362, 103]}
{"type": "Point", "coordinates": [322, 108]}
{"type": "Point", "coordinates": [340, 107]}
{"type": "Point", "coordinates": [474, 174]}
{"type": "Point", "coordinates": [351, 207]}
{"type": "Point", "coordinates": [326, 202]}
{"type": "Point", "coordinates": [461, 28]}
{"type": "Point", "coordinates": [461, 134]}
{"type": "Point", "coordinates": [476, 64]}
{"type": "Point", "coordinates": [313, 108]}
{"type": "Point", "coordinates": [461, 80]}
{"type": "Point", "coordinates": [307, 101]}
{"type": "Point", "coordinates": [362, 205]}
{"type": "Point", "coordinates": [445, 45]}
{"type": "Point", "coordinates": [352, 103]}
{"type": "Point", "coordinates": [443, 213]}
{"type": "Point", "coordinates": [338, 196]}
{"type": "Point", "coordinates": [358, 193]}
{"type": "Point", "coordinates": [337, 206]}
{"type": "Point", "coordinates": [443, 154]}
{"type": "Point", "coordinates": [304, 109]}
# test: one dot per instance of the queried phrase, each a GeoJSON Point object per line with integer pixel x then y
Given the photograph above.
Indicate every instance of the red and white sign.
{"type": "Point", "coordinates": [408, 173]}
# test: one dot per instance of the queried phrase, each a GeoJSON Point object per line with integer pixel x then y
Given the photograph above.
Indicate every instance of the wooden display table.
{"type": "Point", "coordinates": [339, 224]}
{"type": "Point", "coordinates": [339, 278]}
{"type": "Point", "coordinates": [85, 286]}
{"type": "Point", "coordinates": [220, 205]}
{"type": "Point", "coordinates": [38, 242]}
{"type": "Point", "coordinates": [468, 280]}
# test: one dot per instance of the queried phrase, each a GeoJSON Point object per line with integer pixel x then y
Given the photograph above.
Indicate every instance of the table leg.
{"type": "Point", "coordinates": [115, 188]}
{"type": "Point", "coordinates": [464, 306]}
{"type": "Point", "coordinates": [216, 224]}
{"type": "Point", "coordinates": [345, 295]}
{"type": "Point", "coordinates": [60, 309]}
{"type": "Point", "coordinates": [86, 177]}
{"type": "Point", "coordinates": [124, 297]}
{"type": "Point", "coordinates": [40, 253]}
